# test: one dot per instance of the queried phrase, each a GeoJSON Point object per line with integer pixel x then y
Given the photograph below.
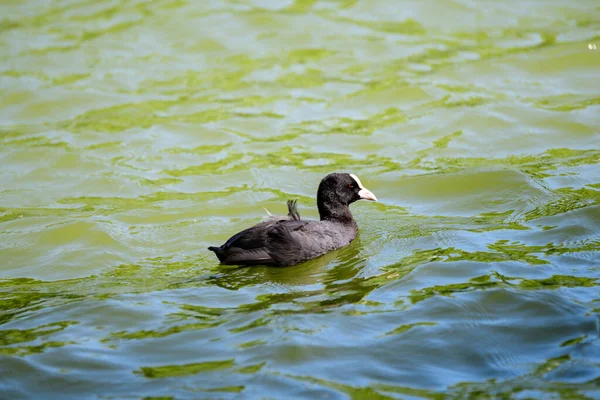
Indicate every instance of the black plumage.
{"type": "Point", "coordinates": [284, 241]}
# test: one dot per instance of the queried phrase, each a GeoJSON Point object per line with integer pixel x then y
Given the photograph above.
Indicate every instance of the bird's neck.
{"type": "Point", "coordinates": [336, 213]}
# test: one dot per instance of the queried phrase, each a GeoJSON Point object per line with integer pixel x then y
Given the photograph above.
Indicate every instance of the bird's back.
{"type": "Point", "coordinates": [284, 242]}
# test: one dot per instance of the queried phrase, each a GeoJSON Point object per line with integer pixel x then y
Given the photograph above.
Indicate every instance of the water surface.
{"type": "Point", "coordinates": [135, 134]}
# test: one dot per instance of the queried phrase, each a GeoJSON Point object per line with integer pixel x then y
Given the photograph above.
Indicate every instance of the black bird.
{"type": "Point", "coordinates": [284, 241]}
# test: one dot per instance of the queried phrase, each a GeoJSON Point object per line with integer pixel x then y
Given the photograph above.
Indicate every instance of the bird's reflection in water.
{"type": "Point", "coordinates": [330, 268]}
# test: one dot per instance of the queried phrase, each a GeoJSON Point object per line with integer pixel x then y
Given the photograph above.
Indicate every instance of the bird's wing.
{"type": "Point", "coordinates": [281, 242]}
{"type": "Point", "coordinates": [293, 210]}
{"type": "Point", "coordinates": [251, 246]}
{"type": "Point", "coordinates": [291, 242]}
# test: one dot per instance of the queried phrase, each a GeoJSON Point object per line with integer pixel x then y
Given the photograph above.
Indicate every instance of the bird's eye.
{"type": "Point", "coordinates": [350, 186]}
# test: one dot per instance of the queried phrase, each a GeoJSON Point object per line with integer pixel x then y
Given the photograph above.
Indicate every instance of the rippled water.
{"type": "Point", "coordinates": [135, 134]}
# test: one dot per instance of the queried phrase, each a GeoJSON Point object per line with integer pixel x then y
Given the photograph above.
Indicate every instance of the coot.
{"type": "Point", "coordinates": [284, 241]}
